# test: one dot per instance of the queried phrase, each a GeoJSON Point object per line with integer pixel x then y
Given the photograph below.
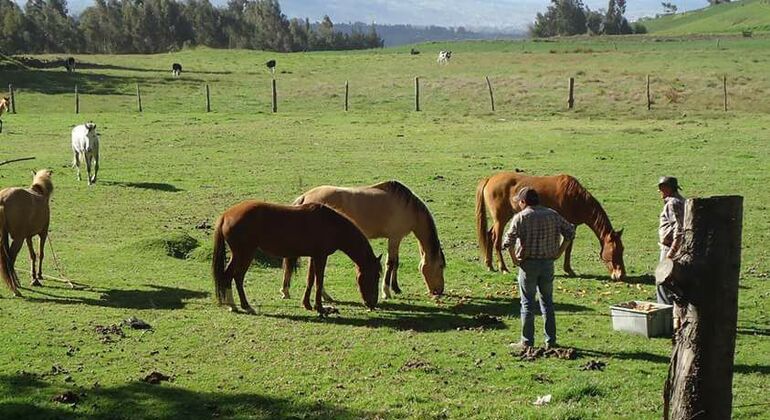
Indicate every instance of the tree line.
{"type": "Point", "coordinates": [572, 17]}
{"type": "Point", "coordinates": [152, 26]}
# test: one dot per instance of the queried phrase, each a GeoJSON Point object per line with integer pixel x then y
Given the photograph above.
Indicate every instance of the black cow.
{"type": "Point", "coordinates": [176, 69]}
{"type": "Point", "coordinates": [69, 64]}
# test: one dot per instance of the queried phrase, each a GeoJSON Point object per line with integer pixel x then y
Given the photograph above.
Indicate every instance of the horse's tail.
{"type": "Point", "coordinates": [5, 261]}
{"type": "Point", "coordinates": [481, 218]}
{"type": "Point", "coordinates": [221, 282]}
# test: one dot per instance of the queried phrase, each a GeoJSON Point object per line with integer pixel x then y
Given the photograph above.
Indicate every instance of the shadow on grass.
{"type": "Point", "coordinates": [640, 279]}
{"type": "Point", "coordinates": [159, 297]}
{"type": "Point", "coordinates": [27, 396]}
{"type": "Point", "coordinates": [157, 186]}
{"type": "Point", "coordinates": [55, 82]}
{"type": "Point", "coordinates": [754, 331]}
{"type": "Point", "coordinates": [403, 316]}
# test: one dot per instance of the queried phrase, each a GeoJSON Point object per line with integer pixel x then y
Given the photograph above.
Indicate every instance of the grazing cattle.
{"type": "Point", "coordinates": [562, 193]}
{"type": "Point", "coordinates": [85, 147]}
{"type": "Point", "coordinates": [271, 66]}
{"type": "Point", "coordinates": [444, 57]}
{"type": "Point", "coordinates": [4, 107]}
{"type": "Point", "coordinates": [414, 52]}
{"type": "Point", "coordinates": [176, 69]}
{"type": "Point", "coordinates": [69, 64]}
{"type": "Point", "coordinates": [24, 214]}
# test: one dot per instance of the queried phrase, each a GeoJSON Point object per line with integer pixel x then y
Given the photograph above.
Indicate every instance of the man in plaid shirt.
{"type": "Point", "coordinates": [535, 241]}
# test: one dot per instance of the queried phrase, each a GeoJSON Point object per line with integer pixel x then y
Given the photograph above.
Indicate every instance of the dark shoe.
{"type": "Point", "coordinates": [551, 346]}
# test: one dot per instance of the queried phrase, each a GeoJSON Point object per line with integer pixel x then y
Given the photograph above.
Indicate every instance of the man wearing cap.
{"type": "Point", "coordinates": [535, 241]}
{"type": "Point", "coordinates": [670, 230]}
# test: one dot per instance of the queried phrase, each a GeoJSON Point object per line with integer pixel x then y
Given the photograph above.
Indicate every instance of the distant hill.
{"type": "Point", "coordinates": [395, 35]}
{"type": "Point", "coordinates": [746, 15]}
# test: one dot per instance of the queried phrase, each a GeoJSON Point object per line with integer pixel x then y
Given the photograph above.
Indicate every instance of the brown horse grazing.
{"type": "Point", "coordinates": [311, 230]}
{"type": "Point", "coordinates": [24, 213]}
{"type": "Point", "coordinates": [562, 193]}
{"type": "Point", "coordinates": [385, 210]}
{"type": "Point", "coordinates": [4, 107]}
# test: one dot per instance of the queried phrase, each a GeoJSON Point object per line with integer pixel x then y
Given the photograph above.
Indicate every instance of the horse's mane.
{"type": "Point", "coordinates": [42, 184]}
{"type": "Point", "coordinates": [412, 200]}
{"type": "Point", "coordinates": [596, 218]}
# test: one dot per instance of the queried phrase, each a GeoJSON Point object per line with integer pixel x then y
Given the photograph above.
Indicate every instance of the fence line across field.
{"type": "Point", "coordinates": [572, 94]}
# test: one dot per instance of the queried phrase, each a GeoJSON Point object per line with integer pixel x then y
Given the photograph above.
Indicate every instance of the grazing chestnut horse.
{"type": "Point", "coordinates": [24, 213]}
{"type": "Point", "coordinates": [311, 230]}
{"type": "Point", "coordinates": [385, 210]}
{"type": "Point", "coordinates": [4, 107]}
{"type": "Point", "coordinates": [562, 193]}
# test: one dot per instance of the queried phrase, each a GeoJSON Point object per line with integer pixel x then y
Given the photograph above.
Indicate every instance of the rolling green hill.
{"type": "Point", "coordinates": [747, 15]}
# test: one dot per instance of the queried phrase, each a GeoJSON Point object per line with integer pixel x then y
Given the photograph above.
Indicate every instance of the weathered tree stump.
{"type": "Point", "coordinates": [704, 278]}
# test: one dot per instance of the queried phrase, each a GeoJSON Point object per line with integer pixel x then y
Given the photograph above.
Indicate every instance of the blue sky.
{"type": "Point", "coordinates": [471, 13]}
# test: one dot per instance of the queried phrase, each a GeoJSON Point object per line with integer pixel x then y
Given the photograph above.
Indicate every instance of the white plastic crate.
{"type": "Point", "coordinates": [649, 319]}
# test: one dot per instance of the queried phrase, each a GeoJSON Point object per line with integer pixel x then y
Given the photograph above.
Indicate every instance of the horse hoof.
{"type": "Point", "coordinates": [285, 295]}
{"type": "Point", "coordinates": [249, 310]}
{"type": "Point", "coordinates": [307, 306]}
{"type": "Point", "coordinates": [36, 283]}
{"type": "Point", "coordinates": [397, 290]}
{"type": "Point", "coordinates": [232, 309]}
{"type": "Point", "coordinates": [386, 294]}
{"type": "Point", "coordinates": [570, 273]}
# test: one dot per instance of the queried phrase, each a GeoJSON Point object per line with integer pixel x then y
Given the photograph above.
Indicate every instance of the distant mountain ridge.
{"type": "Point", "coordinates": [410, 34]}
{"type": "Point", "coordinates": [746, 15]}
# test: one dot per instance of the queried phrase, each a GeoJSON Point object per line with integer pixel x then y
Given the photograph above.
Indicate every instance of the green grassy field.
{"type": "Point", "coordinates": [169, 169]}
{"type": "Point", "coordinates": [746, 15]}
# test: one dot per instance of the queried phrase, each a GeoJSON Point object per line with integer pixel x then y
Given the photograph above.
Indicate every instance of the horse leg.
{"type": "Point", "coordinates": [392, 264]}
{"type": "Point", "coordinates": [33, 262]}
{"type": "Point", "coordinates": [488, 261]}
{"type": "Point", "coordinates": [318, 268]}
{"type": "Point", "coordinates": [288, 271]}
{"type": "Point", "coordinates": [497, 243]}
{"type": "Point", "coordinates": [239, 272]}
{"type": "Point", "coordinates": [96, 167]}
{"type": "Point", "coordinates": [88, 166]}
{"type": "Point", "coordinates": [568, 261]}
{"type": "Point", "coordinates": [76, 162]}
{"type": "Point", "coordinates": [1, 126]}
{"type": "Point", "coordinates": [13, 252]}
{"type": "Point", "coordinates": [41, 254]}
{"type": "Point", "coordinates": [309, 287]}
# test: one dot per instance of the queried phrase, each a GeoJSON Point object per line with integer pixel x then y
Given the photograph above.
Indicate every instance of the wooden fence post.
{"type": "Point", "coordinates": [347, 92]}
{"type": "Point", "coordinates": [417, 94]}
{"type": "Point", "coordinates": [13, 98]}
{"type": "Point", "coordinates": [491, 95]}
{"type": "Point", "coordinates": [724, 88]}
{"type": "Point", "coordinates": [704, 278]}
{"type": "Point", "coordinates": [571, 98]}
{"type": "Point", "coordinates": [275, 97]}
{"type": "Point", "coordinates": [138, 97]}
{"type": "Point", "coordinates": [649, 97]}
{"type": "Point", "coordinates": [77, 100]}
{"type": "Point", "coordinates": [208, 98]}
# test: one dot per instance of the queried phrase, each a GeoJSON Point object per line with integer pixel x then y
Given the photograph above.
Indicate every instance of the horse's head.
{"type": "Point", "coordinates": [612, 254]}
{"type": "Point", "coordinates": [368, 279]}
{"type": "Point", "coordinates": [432, 270]}
{"type": "Point", "coordinates": [41, 181]}
{"type": "Point", "coordinates": [4, 103]}
{"type": "Point", "coordinates": [90, 126]}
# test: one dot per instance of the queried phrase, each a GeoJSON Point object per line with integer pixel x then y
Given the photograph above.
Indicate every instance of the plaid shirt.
{"type": "Point", "coordinates": [537, 233]}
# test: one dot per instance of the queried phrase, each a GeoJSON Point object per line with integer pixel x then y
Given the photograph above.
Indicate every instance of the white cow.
{"type": "Point", "coordinates": [444, 57]}
{"type": "Point", "coordinates": [85, 147]}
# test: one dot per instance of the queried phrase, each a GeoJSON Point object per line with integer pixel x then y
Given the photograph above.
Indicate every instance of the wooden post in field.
{"type": "Point", "coordinates": [724, 88]}
{"type": "Point", "coordinates": [275, 97]}
{"type": "Point", "coordinates": [208, 98]}
{"type": "Point", "coordinates": [704, 278]}
{"type": "Point", "coordinates": [417, 94]}
{"type": "Point", "coordinates": [649, 97]}
{"type": "Point", "coordinates": [138, 97]}
{"type": "Point", "coordinates": [347, 92]}
{"type": "Point", "coordinates": [717, 43]}
{"type": "Point", "coordinates": [77, 100]}
{"type": "Point", "coordinates": [13, 98]}
{"type": "Point", "coordinates": [571, 98]}
{"type": "Point", "coordinates": [491, 95]}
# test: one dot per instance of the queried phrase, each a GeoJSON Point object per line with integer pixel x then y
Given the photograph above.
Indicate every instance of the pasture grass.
{"type": "Point", "coordinates": [138, 241]}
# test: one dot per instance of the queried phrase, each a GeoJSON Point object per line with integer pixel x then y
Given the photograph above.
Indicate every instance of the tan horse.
{"type": "Point", "coordinates": [562, 193]}
{"type": "Point", "coordinates": [24, 213]}
{"type": "Point", "coordinates": [311, 230]}
{"type": "Point", "coordinates": [4, 107]}
{"type": "Point", "coordinates": [385, 210]}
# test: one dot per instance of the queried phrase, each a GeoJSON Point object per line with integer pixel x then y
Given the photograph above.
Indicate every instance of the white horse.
{"type": "Point", "coordinates": [85, 147]}
{"type": "Point", "coordinates": [444, 57]}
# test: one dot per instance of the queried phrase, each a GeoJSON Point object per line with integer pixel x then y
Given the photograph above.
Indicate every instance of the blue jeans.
{"type": "Point", "coordinates": [536, 276]}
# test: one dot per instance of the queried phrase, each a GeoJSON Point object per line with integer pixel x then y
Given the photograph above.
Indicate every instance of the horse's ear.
{"type": "Point", "coordinates": [619, 233]}
{"type": "Point", "coordinates": [33, 172]}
